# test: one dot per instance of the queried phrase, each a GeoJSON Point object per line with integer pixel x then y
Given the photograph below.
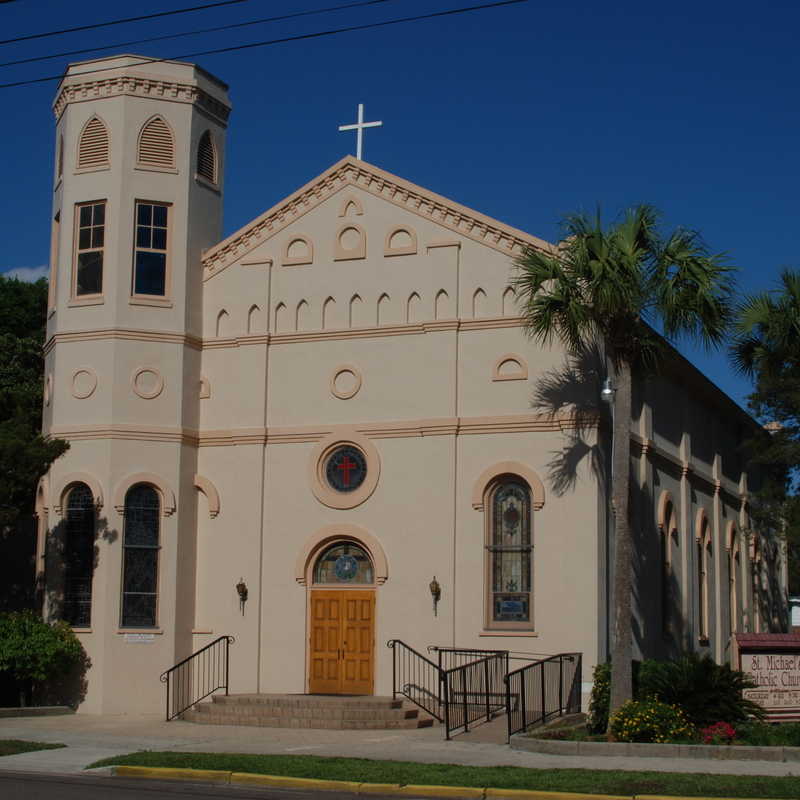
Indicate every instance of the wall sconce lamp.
{"type": "Point", "coordinates": [436, 593]}
{"type": "Point", "coordinates": [241, 590]}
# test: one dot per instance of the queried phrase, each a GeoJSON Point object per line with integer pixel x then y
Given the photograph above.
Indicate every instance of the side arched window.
{"type": "Point", "coordinates": [156, 146]}
{"type": "Point", "coordinates": [79, 556]}
{"type": "Point", "coordinates": [93, 146]}
{"type": "Point", "coordinates": [705, 564]}
{"type": "Point", "coordinates": [140, 557]}
{"type": "Point", "coordinates": [509, 554]}
{"type": "Point", "coordinates": [207, 158]}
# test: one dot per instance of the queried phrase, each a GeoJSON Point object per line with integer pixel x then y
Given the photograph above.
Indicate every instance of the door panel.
{"type": "Point", "coordinates": [341, 658]}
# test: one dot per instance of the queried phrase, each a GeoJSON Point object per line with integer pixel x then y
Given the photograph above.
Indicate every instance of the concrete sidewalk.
{"type": "Point", "coordinates": [92, 737]}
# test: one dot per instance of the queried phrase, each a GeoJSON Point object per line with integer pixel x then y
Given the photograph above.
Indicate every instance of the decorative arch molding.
{"type": "Point", "coordinates": [297, 251]}
{"type": "Point", "coordinates": [400, 241]}
{"type": "Point", "coordinates": [66, 482]}
{"type": "Point", "coordinates": [351, 204]}
{"type": "Point", "coordinates": [700, 524]}
{"type": "Point", "coordinates": [518, 372]}
{"type": "Point", "coordinates": [166, 495]}
{"type": "Point", "coordinates": [350, 242]}
{"type": "Point", "coordinates": [731, 534]}
{"type": "Point", "coordinates": [508, 468]}
{"type": "Point", "coordinates": [42, 496]}
{"type": "Point", "coordinates": [664, 502]}
{"type": "Point", "coordinates": [211, 493]}
{"type": "Point", "coordinates": [333, 533]}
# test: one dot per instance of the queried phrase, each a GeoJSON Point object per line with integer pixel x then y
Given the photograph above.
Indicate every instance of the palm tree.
{"type": "Point", "coordinates": [615, 286]}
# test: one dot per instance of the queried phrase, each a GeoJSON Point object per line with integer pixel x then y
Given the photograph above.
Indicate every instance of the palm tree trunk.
{"type": "Point", "coordinates": [621, 652]}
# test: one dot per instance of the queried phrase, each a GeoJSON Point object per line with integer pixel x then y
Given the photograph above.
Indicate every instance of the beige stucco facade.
{"type": "Point", "coordinates": [365, 310]}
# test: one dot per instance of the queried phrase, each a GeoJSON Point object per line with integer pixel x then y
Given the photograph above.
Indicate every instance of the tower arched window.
{"type": "Point", "coordinates": [705, 561]}
{"type": "Point", "coordinates": [140, 557]}
{"type": "Point", "coordinates": [79, 556]}
{"type": "Point", "coordinates": [156, 145]}
{"type": "Point", "coordinates": [509, 552]}
{"type": "Point", "coordinates": [93, 145]}
{"type": "Point", "coordinates": [207, 158]}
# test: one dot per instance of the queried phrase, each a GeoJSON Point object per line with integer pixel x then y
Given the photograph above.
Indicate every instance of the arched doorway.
{"type": "Point", "coordinates": [342, 621]}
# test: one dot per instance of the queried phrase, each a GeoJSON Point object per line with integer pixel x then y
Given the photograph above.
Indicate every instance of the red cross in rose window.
{"type": "Point", "coordinates": [345, 468]}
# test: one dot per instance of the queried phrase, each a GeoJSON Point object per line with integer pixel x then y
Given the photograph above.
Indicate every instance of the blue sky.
{"type": "Point", "coordinates": [524, 112]}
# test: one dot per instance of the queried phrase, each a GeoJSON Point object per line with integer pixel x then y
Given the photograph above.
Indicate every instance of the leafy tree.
{"type": "Point", "coordinates": [767, 349]}
{"type": "Point", "coordinates": [614, 286]}
{"type": "Point", "coordinates": [33, 652]}
{"type": "Point", "coordinates": [24, 454]}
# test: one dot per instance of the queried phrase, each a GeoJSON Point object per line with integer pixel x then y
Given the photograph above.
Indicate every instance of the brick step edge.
{"type": "Point", "coordinates": [352, 714]}
{"type": "Point", "coordinates": [556, 747]}
{"type": "Point", "coordinates": [306, 701]}
{"type": "Point", "coordinates": [310, 723]}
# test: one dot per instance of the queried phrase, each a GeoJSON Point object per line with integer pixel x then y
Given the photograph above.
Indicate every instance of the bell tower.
{"type": "Point", "coordinates": [140, 156]}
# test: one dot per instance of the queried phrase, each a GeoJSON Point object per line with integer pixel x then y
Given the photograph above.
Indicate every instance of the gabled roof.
{"type": "Point", "coordinates": [352, 172]}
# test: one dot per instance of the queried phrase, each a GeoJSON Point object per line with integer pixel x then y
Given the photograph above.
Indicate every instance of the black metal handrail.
{"type": "Point", "coordinates": [416, 677]}
{"type": "Point", "coordinates": [197, 676]}
{"type": "Point", "coordinates": [474, 691]}
{"type": "Point", "coordinates": [449, 657]}
{"type": "Point", "coordinates": [542, 690]}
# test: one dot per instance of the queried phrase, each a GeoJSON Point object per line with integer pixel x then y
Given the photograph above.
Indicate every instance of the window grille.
{"type": "Point", "coordinates": [93, 147]}
{"type": "Point", "coordinates": [90, 243]}
{"type": "Point", "coordinates": [140, 557]}
{"type": "Point", "coordinates": [79, 557]}
{"type": "Point", "coordinates": [207, 158]}
{"type": "Point", "coordinates": [156, 145]}
{"type": "Point", "coordinates": [150, 254]}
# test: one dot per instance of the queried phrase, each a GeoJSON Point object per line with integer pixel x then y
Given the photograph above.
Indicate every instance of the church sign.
{"type": "Point", "coordinates": [772, 661]}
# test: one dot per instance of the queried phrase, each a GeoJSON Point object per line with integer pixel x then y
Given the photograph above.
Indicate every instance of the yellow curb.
{"type": "Point", "coordinates": [440, 791]}
{"type": "Point", "coordinates": [174, 774]}
{"type": "Point", "coordinates": [251, 779]}
{"type": "Point", "coordinates": [379, 788]}
{"type": "Point", "coordinates": [533, 794]}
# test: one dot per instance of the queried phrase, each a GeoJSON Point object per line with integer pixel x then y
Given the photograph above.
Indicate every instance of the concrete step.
{"type": "Point", "coordinates": [308, 711]}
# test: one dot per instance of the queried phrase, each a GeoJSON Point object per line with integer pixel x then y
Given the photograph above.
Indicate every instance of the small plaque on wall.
{"type": "Point", "coordinates": [139, 638]}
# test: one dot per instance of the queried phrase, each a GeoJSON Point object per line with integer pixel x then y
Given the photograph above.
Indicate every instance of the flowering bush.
{"type": "Point", "coordinates": [649, 721]}
{"type": "Point", "coordinates": [718, 733]}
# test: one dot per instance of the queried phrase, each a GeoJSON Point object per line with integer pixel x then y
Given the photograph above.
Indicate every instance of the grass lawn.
{"type": "Point", "coordinates": [10, 747]}
{"type": "Point", "coordinates": [403, 772]}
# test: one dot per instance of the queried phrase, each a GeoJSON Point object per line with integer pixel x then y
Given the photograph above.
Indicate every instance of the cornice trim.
{"type": "Point", "coordinates": [350, 172]}
{"type": "Point", "coordinates": [75, 90]}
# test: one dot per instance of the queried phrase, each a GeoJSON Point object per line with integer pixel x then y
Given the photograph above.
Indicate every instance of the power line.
{"type": "Point", "coordinates": [215, 29]}
{"type": "Point", "coordinates": [121, 21]}
{"type": "Point", "coordinates": [300, 37]}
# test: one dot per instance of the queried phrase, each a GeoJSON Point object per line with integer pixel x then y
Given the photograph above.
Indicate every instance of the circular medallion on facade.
{"type": "Point", "coordinates": [345, 567]}
{"type": "Point", "coordinates": [147, 382]}
{"type": "Point", "coordinates": [345, 382]}
{"type": "Point", "coordinates": [346, 468]}
{"type": "Point", "coordinates": [84, 382]}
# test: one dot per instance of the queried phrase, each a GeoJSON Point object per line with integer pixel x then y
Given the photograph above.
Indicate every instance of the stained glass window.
{"type": "Point", "coordinates": [346, 468]}
{"type": "Point", "coordinates": [510, 551]}
{"type": "Point", "coordinates": [79, 556]}
{"type": "Point", "coordinates": [140, 565]}
{"type": "Point", "coordinates": [344, 563]}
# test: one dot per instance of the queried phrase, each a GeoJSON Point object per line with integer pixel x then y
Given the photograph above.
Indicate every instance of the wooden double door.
{"type": "Point", "coordinates": [342, 641]}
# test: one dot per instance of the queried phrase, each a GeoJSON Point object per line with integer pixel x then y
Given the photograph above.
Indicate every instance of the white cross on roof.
{"type": "Point", "coordinates": [359, 128]}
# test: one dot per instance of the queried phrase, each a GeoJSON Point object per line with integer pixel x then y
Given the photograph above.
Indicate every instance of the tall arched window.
{"type": "Point", "coordinates": [734, 567]}
{"type": "Point", "coordinates": [140, 557]}
{"type": "Point", "coordinates": [668, 525]}
{"type": "Point", "coordinates": [79, 556]}
{"type": "Point", "coordinates": [207, 158]}
{"type": "Point", "coordinates": [704, 565]}
{"type": "Point", "coordinates": [509, 550]}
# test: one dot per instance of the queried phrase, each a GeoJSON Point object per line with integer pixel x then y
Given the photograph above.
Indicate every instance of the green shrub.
{"type": "Point", "coordinates": [650, 721]}
{"type": "Point", "coordinates": [706, 691]}
{"type": "Point", "coordinates": [597, 720]}
{"type": "Point", "coordinates": [762, 734]}
{"type": "Point", "coordinates": [33, 652]}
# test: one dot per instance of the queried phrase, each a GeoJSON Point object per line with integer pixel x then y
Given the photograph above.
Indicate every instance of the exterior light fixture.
{"type": "Point", "coordinates": [436, 593]}
{"type": "Point", "coordinates": [607, 392]}
{"type": "Point", "coordinates": [241, 590]}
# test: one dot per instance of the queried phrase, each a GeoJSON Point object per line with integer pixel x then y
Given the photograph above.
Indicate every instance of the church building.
{"type": "Point", "coordinates": [297, 434]}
